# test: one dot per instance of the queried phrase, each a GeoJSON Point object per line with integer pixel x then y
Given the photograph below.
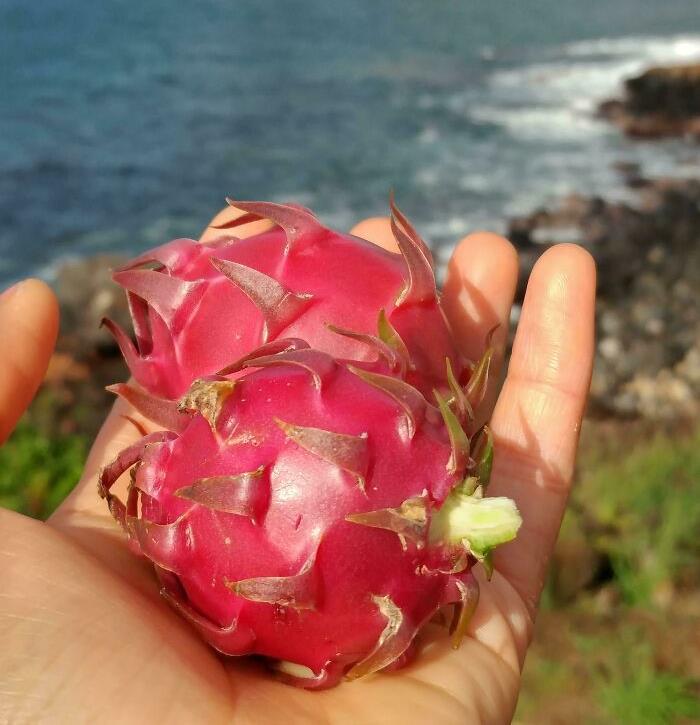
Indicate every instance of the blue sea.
{"type": "Point", "coordinates": [124, 124]}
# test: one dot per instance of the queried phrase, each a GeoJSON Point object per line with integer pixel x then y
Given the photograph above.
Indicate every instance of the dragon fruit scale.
{"type": "Point", "coordinates": [313, 511]}
{"type": "Point", "coordinates": [198, 308]}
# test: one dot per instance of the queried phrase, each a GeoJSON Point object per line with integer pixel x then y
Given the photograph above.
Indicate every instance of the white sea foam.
{"type": "Point", "coordinates": [543, 122]}
{"type": "Point", "coordinates": [666, 49]}
{"type": "Point", "coordinates": [556, 98]}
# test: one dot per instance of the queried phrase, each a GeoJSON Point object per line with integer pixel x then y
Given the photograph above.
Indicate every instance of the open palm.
{"type": "Point", "coordinates": [87, 638]}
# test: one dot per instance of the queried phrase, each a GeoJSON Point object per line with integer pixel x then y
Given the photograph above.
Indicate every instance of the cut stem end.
{"type": "Point", "coordinates": [482, 523]}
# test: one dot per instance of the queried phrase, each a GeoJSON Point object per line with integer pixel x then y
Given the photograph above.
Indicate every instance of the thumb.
{"type": "Point", "coordinates": [28, 330]}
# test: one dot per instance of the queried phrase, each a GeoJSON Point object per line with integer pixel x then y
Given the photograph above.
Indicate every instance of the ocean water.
{"type": "Point", "coordinates": [124, 124]}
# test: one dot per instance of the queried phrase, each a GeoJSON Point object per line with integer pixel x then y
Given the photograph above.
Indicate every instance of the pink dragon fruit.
{"type": "Point", "coordinates": [312, 511]}
{"type": "Point", "coordinates": [198, 308]}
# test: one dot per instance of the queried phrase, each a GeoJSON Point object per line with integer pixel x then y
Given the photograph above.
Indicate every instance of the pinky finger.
{"type": "Point", "coordinates": [537, 419]}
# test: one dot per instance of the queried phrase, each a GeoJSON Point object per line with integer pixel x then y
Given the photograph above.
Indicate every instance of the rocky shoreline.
{"type": "Point", "coordinates": [648, 314]}
{"type": "Point", "coordinates": [662, 101]}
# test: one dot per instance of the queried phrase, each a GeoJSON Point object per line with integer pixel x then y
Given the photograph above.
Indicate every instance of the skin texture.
{"type": "Point", "coordinates": [86, 636]}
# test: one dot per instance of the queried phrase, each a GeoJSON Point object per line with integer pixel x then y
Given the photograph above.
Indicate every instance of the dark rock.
{"type": "Point", "coordinates": [663, 101]}
{"type": "Point", "coordinates": [648, 312]}
{"type": "Point", "coordinates": [86, 294]}
{"type": "Point", "coordinates": [631, 174]}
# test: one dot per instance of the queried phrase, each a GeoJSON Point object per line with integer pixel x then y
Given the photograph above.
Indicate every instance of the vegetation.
{"type": "Point", "coordinates": [631, 689]}
{"type": "Point", "coordinates": [37, 471]}
{"type": "Point", "coordinates": [617, 640]}
{"type": "Point", "coordinates": [644, 515]}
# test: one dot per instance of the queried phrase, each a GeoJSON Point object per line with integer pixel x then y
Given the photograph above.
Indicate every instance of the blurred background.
{"type": "Point", "coordinates": [125, 124]}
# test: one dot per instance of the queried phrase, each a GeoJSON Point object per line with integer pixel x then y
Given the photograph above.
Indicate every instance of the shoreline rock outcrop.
{"type": "Point", "coordinates": [662, 101]}
{"type": "Point", "coordinates": [648, 311]}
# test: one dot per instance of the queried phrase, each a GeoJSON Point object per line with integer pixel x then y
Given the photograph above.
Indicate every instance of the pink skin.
{"type": "Point", "coordinates": [191, 319]}
{"type": "Point", "coordinates": [289, 519]}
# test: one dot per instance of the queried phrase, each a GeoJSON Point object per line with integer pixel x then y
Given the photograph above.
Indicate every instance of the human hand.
{"type": "Point", "coordinates": [86, 636]}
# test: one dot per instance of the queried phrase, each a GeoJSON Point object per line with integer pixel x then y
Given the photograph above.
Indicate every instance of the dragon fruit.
{"type": "Point", "coordinates": [198, 308]}
{"type": "Point", "coordinates": [310, 510]}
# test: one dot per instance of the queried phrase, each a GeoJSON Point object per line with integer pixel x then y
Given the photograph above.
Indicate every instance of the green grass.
{"type": "Point", "coordinates": [544, 680]}
{"type": "Point", "coordinates": [648, 697]}
{"type": "Point", "coordinates": [37, 471]}
{"type": "Point", "coordinates": [603, 652]}
{"type": "Point", "coordinates": [629, 688]}
{"type": "Point", "coordinates": [643, 511]}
